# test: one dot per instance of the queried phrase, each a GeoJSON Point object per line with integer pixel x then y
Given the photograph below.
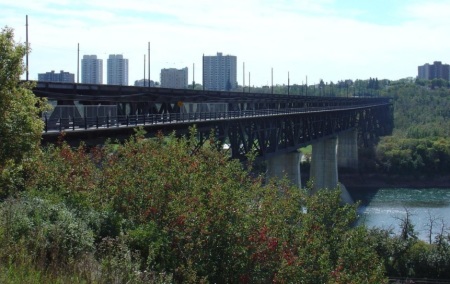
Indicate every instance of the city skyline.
{"type": "Point", "coordinates": [322, 39]}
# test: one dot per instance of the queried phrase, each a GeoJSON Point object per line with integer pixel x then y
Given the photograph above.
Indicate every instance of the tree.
{"type": "Point", "coordinates": [20, 126]}
{"type": "Point", "coordinates": [191, 213]}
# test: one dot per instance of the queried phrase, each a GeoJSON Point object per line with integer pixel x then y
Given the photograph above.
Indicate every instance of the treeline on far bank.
{"type": "Point", "coordinates": [420, 143]}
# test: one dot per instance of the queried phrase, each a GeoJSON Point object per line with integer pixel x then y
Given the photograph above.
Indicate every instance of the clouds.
{"type": "Point", "coordinates": [329, 39]}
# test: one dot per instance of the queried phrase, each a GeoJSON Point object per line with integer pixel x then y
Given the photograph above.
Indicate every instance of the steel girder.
{"type": "Point", "coordinates": [285, 133]}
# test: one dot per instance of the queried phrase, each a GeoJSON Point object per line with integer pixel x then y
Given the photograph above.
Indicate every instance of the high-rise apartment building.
{"type": "Point", "coordinates": [220, 72]}
{"type": "Point", "coordinates": [117, 70]}
{"type": "Point", "coordinates": [174, 78]}
{"type": "Point", "coordinates": [91, 70]}
{"type": "Point", "coordinates": [435, 71]}
{"type": "Point", "coordinates": [63, 77]}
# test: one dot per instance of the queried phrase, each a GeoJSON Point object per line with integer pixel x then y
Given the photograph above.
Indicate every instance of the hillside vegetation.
{"type": "Point", "coordinates": [420, 144]}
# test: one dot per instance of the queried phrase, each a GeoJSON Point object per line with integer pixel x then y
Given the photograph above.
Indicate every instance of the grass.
{"type": "Point", "coordinates": [27, 274]}
{"type": "Point", "coordinates": [306, 150]}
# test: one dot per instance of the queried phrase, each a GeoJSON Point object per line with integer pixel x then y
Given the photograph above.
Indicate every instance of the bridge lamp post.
{"type": "Point", "coordinates": [243, 77]}
{"type": "Point", "coordinates": [272, 79]}
{"type": "Point", "coordinates": [28, 49]}
{"type": "Point", "coordinates": [288, 86]}
{"type": "Point", "coordinates": [193, 76]}
{"type": "Point", "coordinates": [145, 62]}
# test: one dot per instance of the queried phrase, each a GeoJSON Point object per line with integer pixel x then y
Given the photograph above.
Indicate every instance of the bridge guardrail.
{"type": "Point", "coordinates": [84, 123]}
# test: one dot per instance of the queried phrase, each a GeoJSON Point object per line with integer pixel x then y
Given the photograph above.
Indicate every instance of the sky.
{"type": "Point", "coordinates": [309, 40]}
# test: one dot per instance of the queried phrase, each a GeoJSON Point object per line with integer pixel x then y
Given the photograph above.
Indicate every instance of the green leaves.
{"type": "Point", "coordinates": [414, 156]}
{"type": "Point", "coordinates": [189, 211]}
{"type": "Point", "coordinates": [20, 125]}
{"type": "Point", "coordinates": [54, 233]}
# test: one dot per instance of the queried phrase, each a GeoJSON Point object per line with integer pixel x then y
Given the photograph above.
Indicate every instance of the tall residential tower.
{"type": "Point", "coordinates": [174, 78]}
{"type": "Point", "coordinates": [435, 71]}
{"type": "Point", "coordinates": [117, 70]}
{"type": "Point", "coordinates": [220, 72]}
{"type": "Point", "coordinates": [91, 70]}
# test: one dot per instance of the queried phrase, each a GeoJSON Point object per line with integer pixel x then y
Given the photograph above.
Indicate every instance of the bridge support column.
{"type": "Point", "coordinates": [286, 165]}
{"type": "Point", "coordinates": [348, 150]}
{"type": "Point", "coordinates": [323, 170]}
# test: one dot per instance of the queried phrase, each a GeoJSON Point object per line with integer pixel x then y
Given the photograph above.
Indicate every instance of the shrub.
{"type": "Point", "coordinates": [52, 233]}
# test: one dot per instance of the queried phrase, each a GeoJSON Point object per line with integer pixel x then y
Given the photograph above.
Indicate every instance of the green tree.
{"type": "Point", "coordinates": [192, 213]}
{"type": "Point", "coordinates": [20, 126]}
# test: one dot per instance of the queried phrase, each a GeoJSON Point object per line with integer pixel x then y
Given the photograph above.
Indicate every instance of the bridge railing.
{"type": "Point", "coordinates": [98, 122]}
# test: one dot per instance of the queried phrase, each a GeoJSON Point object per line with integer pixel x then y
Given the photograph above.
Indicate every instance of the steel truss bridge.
{"type": "Point", "coordinates": [266, 123]}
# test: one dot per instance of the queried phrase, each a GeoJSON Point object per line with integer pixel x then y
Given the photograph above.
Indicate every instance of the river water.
{"type": "Point", "coordinates": [385, 207]}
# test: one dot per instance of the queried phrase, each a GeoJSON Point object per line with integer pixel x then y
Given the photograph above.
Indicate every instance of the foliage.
{"type": "Point", "coordinates": [420, 112]}
{"type": "Point", "coordinates": [53, 233]}
{"type": "Point", "coordinates": [407, 256]}
{"type": "Point", "coordinates": [343, 88]}
{"type": "Point", "coordinates": [20, 127]}
{"type": "Point", "coordinates": [167, 207]}
{"type": "Point", "coordinates": [413, 156]}
{"type": "Point", "coordinates": [328, 252]}
{"type": "Point", "coordinates": [420, 144]}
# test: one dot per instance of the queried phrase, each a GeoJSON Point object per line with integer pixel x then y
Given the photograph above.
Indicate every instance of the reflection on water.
{"type": "Point", "coordinates": [385, 207]}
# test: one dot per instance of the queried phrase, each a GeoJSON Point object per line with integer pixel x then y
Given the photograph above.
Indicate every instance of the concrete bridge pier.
{"type": "Point", "coordinates": [286, 165]}
{"type": "Point", "coordinates": [324, 167]}
{"type": "Point", "coordinates": [348, 150]}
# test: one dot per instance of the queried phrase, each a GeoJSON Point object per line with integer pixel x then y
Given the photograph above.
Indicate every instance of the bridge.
{"type": "Point", "coordinates": [273, 125]}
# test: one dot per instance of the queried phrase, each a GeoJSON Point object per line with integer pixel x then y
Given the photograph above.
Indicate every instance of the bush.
{"type": "Point", "coordinates": [168, 207]}
{"type": "Point", "coordinates": [52, 233]}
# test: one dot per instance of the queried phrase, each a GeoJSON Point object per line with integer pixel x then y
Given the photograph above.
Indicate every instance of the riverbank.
{"type": "Point", "coordinates": [384, 180]}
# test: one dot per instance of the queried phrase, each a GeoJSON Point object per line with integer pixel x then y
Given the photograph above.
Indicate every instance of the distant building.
{"type": "Point", "coordinates": [220, 72]}
{"type": "Point", "coordinates": [174, 78]}
{"type": "Point", "coordinates": [435, 71]}
{"type": "Point", "coordinates": [144, 83]}
{"type": "Point", "coordinates": [117, 67]}
{"type": "Point", "coordinates": [63, 77]}
{"type": "Point", "coordinates": [91, 70]}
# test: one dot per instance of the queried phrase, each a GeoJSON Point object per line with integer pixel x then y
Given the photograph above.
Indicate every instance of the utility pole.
{"type": "Point", "coordinates": [78, 64]}
{"type": "Point", "coordinates": [149, 80]}
{"type": "Point", "coordinates": [288, 83]}
{"type": "Point", "coordinates": [145, 62]}
{"type": "Point", "coordinates": [193, 76]}
{"type": "Point", "coordinates": [28, 47]}
{"type": "Point", "coordinates": [272, 79]}
{"type": "Point", "coordinates": [307, 85]}
{"type": "Point", "coordinates": [243, 77]}
{"type": "Point", "coordinates": [203, 73]}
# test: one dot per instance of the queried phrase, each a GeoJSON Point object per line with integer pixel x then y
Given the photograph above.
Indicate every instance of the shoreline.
{"type": "Point", "coordinates": [371, 181]}
{"type": "Point", "coordinates": [375, 180]}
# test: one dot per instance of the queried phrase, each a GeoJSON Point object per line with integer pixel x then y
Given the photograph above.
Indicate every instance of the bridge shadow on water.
{"type": "Point", "coordinates": [363, 195]}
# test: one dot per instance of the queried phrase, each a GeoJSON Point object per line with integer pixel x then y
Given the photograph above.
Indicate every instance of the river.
{"type": "Point", "coordinates": [385, 207]}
